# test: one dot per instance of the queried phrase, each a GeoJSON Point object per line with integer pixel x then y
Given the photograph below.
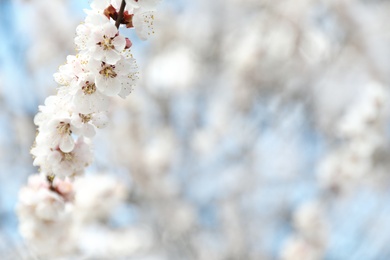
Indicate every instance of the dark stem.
{"type": "Point", "coordinates": [120, 14]}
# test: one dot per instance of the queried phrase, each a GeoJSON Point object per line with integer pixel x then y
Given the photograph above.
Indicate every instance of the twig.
{"type": "Point", "coordinates": [120, 14]}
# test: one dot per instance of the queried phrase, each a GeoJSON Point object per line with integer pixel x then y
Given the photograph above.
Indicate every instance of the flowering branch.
{"type": "Point", "coordinates": [103, 68]}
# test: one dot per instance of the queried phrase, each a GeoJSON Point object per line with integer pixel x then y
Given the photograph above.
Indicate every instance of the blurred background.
{"type": "Point", "coordinates": [259, 130]}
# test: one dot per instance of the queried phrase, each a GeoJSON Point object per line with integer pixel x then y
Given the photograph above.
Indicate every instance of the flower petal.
{"type": "Point", "coordinates": [143, 24]}
{"type": "Point", "coordinates": [108, 86]}
{"type": "Point", "coordinates": [112, 57]}
{"type": "Point", "coordinates": [67, 144]}
{"type": "Point", "coordinates": [119, 43]}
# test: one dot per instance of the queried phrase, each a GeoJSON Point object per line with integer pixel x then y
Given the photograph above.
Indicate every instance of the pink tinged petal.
{"type": "Point", "coordinates": [128, 43]}
{"type": "Point", "coordinates": [110, 30]}
{"type": "Point", "coordinates": [108, 86]}
{"type": "Point", "coordinates": [66, 144]}
{"type": "Point", "coordinates": [54, 157]}
{"type": "Point", "coordinates": [100, 120]}
{"type": "Point", "coordinates": [119, 43]}
{"type": "Point", "coordinates": [89, 130]}
{"type": "Point", "coordinates": [97, 36]}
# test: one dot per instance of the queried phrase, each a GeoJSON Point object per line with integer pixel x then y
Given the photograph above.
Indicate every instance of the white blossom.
{"type": "Point", "coordinates": [86, 97]}
{"type": "Point", "coordinates": [44, 212]}
{"type": "Point", "coordinates": [113, 79]}
{"type": "Point", "coordinates": [69, 72]}
{"type": "Point", "coordinates": [63, 164]}
{"type": "Point", "coordinates": [85, 123]}
{"type": "Point", "coordinates": [58, 132]}
{"type": "Point", "coordinates": [106, 44]}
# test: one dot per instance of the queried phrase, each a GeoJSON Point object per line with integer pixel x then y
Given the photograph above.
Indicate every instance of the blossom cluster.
{"type": "Point", "coordinates": [54, 218]}
{"type": "Point", "coordinates": [103, 68]}
{"type": "Point", "coordinates": [44, 208]}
